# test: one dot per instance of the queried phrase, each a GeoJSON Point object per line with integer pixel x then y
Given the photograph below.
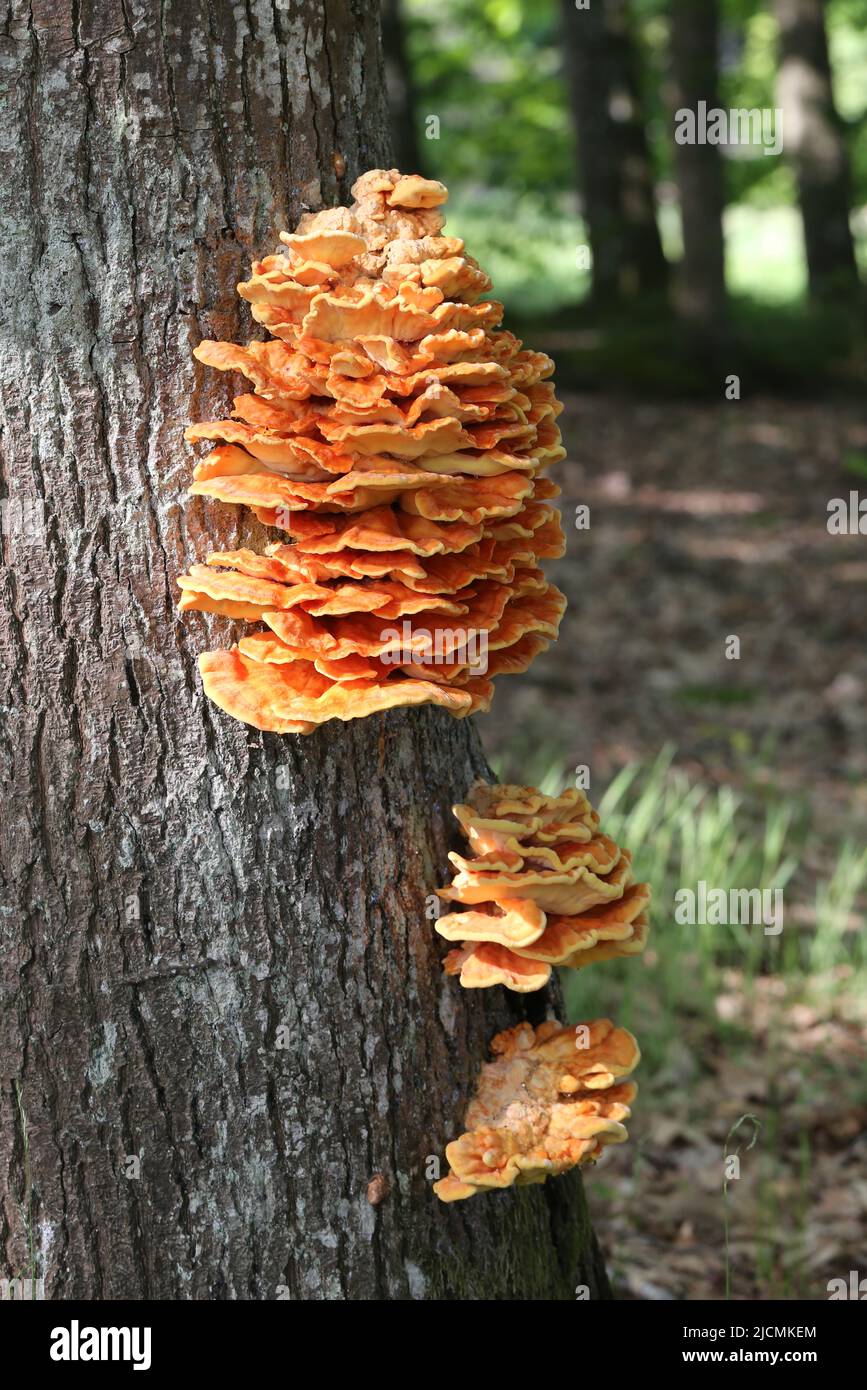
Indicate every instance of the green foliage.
{"type": "Point", "coordinates": [491, 71]}
{"type": "Point", "coordinates": [527, 242]}
{"type": "Point", "coordinates": [856, 463]}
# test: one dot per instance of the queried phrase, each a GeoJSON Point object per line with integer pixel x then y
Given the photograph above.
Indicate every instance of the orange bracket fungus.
{"type": "Point", "coordinates": [542, 887]}
{"type": "Point", "coordinates": [551, 1100]}
{"type": "Point", "coordinates": [397, 438]}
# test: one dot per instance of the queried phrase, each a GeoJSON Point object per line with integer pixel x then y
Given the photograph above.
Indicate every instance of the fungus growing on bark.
{"type": "Point", "coordinates": [543, 887]}
{"type": "Point", "coordinates": [397, 438]}
{"type": "Point", "coordinates": [551, 1100]}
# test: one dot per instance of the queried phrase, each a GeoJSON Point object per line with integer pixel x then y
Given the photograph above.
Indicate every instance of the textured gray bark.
{"type": "Point", "coordinates": [701, 293]}
{"type": "Point", "coordinates": [815, 144]}
{"type": "Point", "coordinates": [616, 176]}
{"type": "Point", "coordinates": [215, 956]}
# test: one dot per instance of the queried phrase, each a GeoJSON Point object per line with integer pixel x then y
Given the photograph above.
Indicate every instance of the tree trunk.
{"type": "Point", "coordinates": [616, 177]}
{"type": "Point", "coordinates": [701, 294]}
{"type": "Point", "coordinates": [814, 141]}
{"type": "Point", "coordinates": [401, 90]}
{"type": "Point", "coordinates": [222, 1009]}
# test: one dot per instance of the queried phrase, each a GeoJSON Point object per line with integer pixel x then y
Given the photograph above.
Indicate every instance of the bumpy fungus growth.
{"type": "Point", "coordinates": [552, 1099]}
{"type": "Point", "coordinates": [398, 439]}
{"type": "Point", "coordinates": [542, 887]}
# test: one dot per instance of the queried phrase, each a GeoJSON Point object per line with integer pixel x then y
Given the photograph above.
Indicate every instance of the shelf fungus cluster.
{"type": "Point", "coordinates": [552, 1099]}
{"type": "Point", "coordinates": [540, 887]}
{"type": "Point", "coordinates": [398, 439]}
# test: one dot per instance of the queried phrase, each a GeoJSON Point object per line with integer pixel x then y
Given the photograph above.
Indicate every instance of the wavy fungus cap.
{"type": "Point", "coordinates": [397, 439]}
{"type": "Point", "coordinates": [542, 887]}
{"type": "Point", "coordinates": [551, 1100]}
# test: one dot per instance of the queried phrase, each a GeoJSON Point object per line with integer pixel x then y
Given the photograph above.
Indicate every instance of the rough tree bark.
{"type": "Point", "coordinates": [615, 171]}
{"type": "Point", "coordinates": [701, 293]}
{"type": "Point", "coordinates": [222, 1011]}
{"type": "Point", "coordinates": [813, 140]}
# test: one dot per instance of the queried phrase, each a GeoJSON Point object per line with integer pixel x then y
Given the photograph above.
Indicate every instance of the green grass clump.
{"type": "Point", "coordinates": [682, 830]}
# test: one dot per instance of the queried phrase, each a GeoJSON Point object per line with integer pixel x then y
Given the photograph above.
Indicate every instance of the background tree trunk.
{"type": "Point", "coordinates": [614, 163]}
{"type": "Point", "coordinates": [701, 294]}
{"type": "Point", "coordinates": [222, 1006]}
{"type": "Point", "coordinates": [405, 135]}
{"type": "Point", "coordinates": [813, 139]}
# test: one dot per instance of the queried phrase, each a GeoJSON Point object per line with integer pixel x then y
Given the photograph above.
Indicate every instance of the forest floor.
{"type": "Point", "coordinates": [707, 523]}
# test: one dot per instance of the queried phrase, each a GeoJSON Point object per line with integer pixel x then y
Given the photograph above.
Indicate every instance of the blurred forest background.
{"type": "Point", "coordinates": [553, 125]}
{"type": "Point", "coordinates": [705, 304]}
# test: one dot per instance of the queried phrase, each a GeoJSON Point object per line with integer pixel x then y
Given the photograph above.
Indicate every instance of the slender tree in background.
{"type": "Point", "coordinates": [701, 295]}
{"type": "Point", "coordinates": [813, 140]}
{"type": "Point", "coordinates": [401, 89]}
{"type": "Point", "coordinates": [221, 1004]}
{"type": "Point", "coordinates": [615, 171]}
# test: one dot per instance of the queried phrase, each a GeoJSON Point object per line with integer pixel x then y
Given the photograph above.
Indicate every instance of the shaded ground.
{"type": "Point", "coordinates": [705, 522]}
{"type": "Point", "coordinates": [763, 1063]}
{"type": "Point", "coordinates": [709, 522]}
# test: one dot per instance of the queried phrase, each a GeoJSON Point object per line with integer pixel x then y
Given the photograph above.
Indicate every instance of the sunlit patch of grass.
{"type": "Point", "coordinates": [839, 933]}
{"type": "Point", "coordinates": [714, 1006]}
{"type": "Point", "coordinates": [683, 830]}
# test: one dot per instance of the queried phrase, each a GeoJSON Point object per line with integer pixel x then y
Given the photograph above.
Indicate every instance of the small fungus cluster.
{"type": "Point", "coordinates": [542, 888]}
{"type": "Point", "coordinates": [552, 1099]}
{"type": "Point", "coordinates": [398, 439]}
